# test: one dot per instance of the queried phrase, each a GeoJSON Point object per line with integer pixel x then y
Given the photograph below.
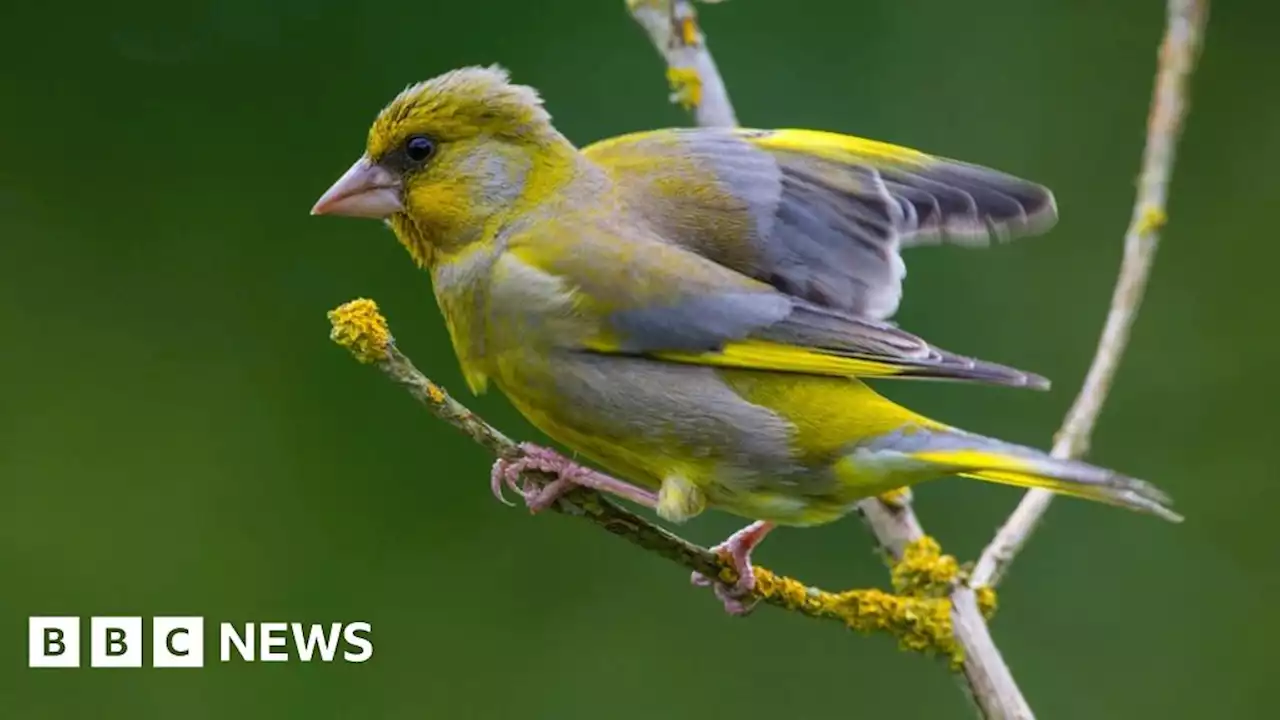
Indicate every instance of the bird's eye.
{"type": "Point", "coordinates": [419, 147]}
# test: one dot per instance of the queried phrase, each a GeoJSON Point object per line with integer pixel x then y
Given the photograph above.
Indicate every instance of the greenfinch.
{"type": "Point", "coordinates": [696, 310]}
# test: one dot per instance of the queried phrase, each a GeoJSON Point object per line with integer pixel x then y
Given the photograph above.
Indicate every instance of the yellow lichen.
{"type": "Point", "coordinates": [686, 87]}
{"type": "Point", "coordinates": [361, 329]}
{"type": "Point", "coordinates": [987, 603]}
{"type": "Point", "coordinates": [924, 571]}
{"type": "Point", "coordinates": [898, 498]}
{"type": "Point", "coordinates": [1152, 219]}
{"type": "Point", "coordinates": [922, 624]}
{"type": "Point", "coordinates": [918, 615]}
{"type": "Point", "coordinates": [435, 393]}
{"type": "Point", "coordinates": [689, 31]}
{"type": "Point", "coordinates": [792, 594]}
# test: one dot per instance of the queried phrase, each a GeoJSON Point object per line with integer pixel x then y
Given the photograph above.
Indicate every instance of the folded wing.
{"type": "Point", "coordinates": [642, 297]}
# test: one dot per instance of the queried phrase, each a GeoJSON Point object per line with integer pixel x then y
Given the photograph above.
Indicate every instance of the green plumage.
{"type": "Point", "coordinates": [695, 310]}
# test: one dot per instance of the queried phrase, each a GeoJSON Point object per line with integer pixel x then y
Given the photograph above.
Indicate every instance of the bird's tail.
{"type": "Point", "coordinates": [978, 457]}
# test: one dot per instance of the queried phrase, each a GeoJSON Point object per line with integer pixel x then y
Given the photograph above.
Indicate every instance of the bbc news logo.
{"type": "Point", "coordinates": [178, 642]}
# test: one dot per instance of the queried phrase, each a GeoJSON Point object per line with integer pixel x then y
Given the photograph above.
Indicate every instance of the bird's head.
{"type": "Point", "coordinates": [448, 155]}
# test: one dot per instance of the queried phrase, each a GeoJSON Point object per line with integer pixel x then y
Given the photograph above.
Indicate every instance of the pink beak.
{"type": "Point", "coordinates": [366, 190]}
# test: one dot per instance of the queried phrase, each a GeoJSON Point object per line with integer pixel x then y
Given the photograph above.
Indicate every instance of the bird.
{"type": "Point", "coordinates": [700, 312]}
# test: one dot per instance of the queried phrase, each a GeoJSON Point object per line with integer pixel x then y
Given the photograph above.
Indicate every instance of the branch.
{"type": "Point", "coordinates": [672, 26]}
{"type": "Point", "coordinates": [986, 677]}
{"type": "Point", "coordinates": [1184, 32]}
{"type": "Point", "coordinates": [918, 616]}
{"type": "Point", "coordinates": [695, 82]}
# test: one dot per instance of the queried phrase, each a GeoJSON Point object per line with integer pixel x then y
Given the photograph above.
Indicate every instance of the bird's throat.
{"type": "Point", "coordinates": [414, 239]}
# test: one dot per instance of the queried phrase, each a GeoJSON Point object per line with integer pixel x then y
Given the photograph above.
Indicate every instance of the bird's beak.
{"type": "Point", "coordinates": [366, 190]}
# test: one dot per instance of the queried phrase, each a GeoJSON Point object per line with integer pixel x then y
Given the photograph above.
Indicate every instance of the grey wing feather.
{"type": "Point", "coordinates": [820, 229]}
{"type": "Point", "coordinates": [968, 204]}
{"type": "Point", "coordinates": [837, 333]}
{"type": "Point", "coordinates": [697, 323]}
{"type": "Point", "coordinates": [711, 306]}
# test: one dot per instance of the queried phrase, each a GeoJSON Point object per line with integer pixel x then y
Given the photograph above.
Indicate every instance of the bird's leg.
{"type": "Point", "coordinates": [506, 473]}
{"type": "Point", "coordinates": [738, 549]}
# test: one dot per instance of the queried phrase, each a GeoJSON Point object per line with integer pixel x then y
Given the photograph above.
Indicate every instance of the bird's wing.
{"type": "Point", "coordinates": [608, 292]}
{"type": "Point", "coordinates": [819, 216]}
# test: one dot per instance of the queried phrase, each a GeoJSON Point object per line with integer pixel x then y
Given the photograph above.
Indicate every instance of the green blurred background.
{"type": "Point", "coordinates": [178, 436]}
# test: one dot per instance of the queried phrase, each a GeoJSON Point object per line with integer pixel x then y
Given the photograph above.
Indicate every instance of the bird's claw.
{"type": "Point", "coordinates": [736, 550]}
{"type": "Point", "coordinates": [736, 598]}
{"type": "Point", "coordinates": [508, 474]}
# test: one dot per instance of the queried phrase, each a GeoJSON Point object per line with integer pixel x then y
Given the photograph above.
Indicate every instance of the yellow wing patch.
{"type": "Point", "coordinates": [844, 149]}
{"type": "Point", "coordinates": [834, 146]}
{"type": "Point", "coordinates": [761, 355]}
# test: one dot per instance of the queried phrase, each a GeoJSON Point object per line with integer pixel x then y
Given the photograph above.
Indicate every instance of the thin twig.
{"type": "Point", "coordinates": [672, 26]}
{"type": "Point", "coordinates": [986, 677]}
{"type": "Point", "coordinates": [1184, 32]}
{"type": "Point", "coordinates": [894, 524]}
{"type": "Point", "coordinates": [918, 616]}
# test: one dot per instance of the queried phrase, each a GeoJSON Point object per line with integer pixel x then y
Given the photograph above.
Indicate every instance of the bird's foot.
{"type": "Point", "coordinates": [737, 549]}
{"type": "Point", "coordinates": [507, 474]}
{"type": "Point", "coordinates": [537, 497]}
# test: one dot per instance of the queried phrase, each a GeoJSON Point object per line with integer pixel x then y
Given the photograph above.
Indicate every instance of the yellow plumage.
{"type": "Point", "coordinates": [692, 308]}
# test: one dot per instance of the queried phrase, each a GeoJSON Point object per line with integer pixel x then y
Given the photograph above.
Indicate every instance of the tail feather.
{"type": "Point", "coordinates": [1119, 490]}
{"type": "Point", "coordinates": [994, 461]}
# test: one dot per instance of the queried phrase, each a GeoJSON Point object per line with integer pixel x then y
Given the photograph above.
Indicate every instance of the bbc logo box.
{"type": "Point", "coordinates": [115, 642]}
{"type": "Point", "coordinates": [179, 642]}
{"type": "Point", "coordinates": [53, 641]}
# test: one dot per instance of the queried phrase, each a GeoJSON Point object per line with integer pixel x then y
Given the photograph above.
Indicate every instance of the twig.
{"type": "Point", "coordinates": [1184, 32]}
{"type": "Point", "coordinates": [695, 82]}
{"type": "Point", "coordinates": [894, 524]}
{"type": "Point", "coordinates": [986, 677]}
{"type": "Point", "coordinates": [917, 616]}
